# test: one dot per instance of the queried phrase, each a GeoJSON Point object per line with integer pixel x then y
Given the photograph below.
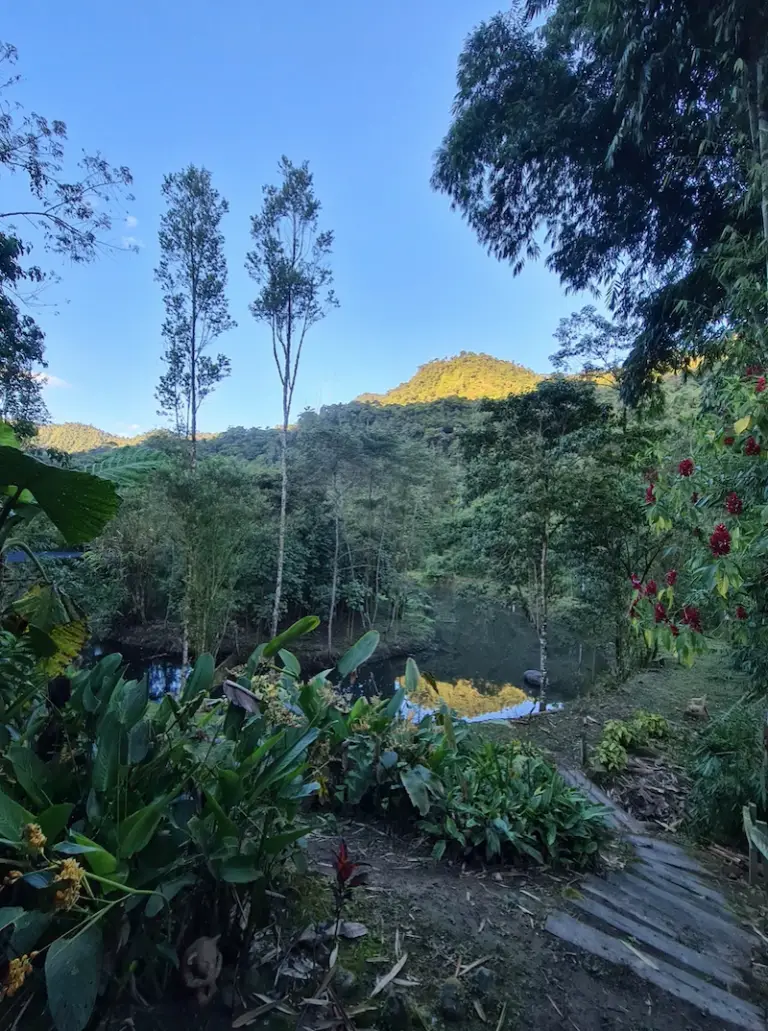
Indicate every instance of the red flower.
{"type": "Point", "coordinates": [671, 577]}
{"type": "Point", "coordinates": [695, 497]}
{"type": "Point", "coordinates": [650, 588]}
{"type": "Point", "coordinates": [728, 441]}
{"type": "Point", "coordinates": [751, 447]}
{"type": "Point", "coordinates": [659, 612]}
{"type": "Point", "coordinates": [674, 630]}
{"type": "Point", "coordinates": [741, 612]}
{"type": "Point", "coordinates": [734, 504]}
{"type": "Point", "coordinates": [753, 370]}
{"type": "Point", "coordinates": [650, 497]}
{"type": "Point", "coordinates": [637, 583]}
{"type": "Point", "coordinates": [686, 467]}
{"type": "Point", "coordinates": [692, 618]}
{"type": "Point", "coordinates": [760, 385]}
{"type": "Point", "coordinates": [720, 541]}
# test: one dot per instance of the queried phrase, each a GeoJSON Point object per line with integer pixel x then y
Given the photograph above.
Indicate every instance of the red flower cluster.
{"type": "Point", "coordinates": [734, 504]}
{"type": "Point", "coordinates": [674, 630]}
{"type": "Point", "coordinates": [659, 612]}
{"type": "Point", "coordinates": [694, 497]}
{"type": "Point", "coordinates": [692, 618]}
{"type": "Point", "coordinates": [650, 497]}
{"type": "Point", "coordinates": [720, 541]}
{"type": "Point", "coordinates": [728, 441]}
{"type": "Point", "coordinates": [753, 370]}
{"type": "Point", "coordinates": [671, 577]}
{"type": "Point", "coordinates": [650, 588]}
{"type": "Point", "coordinates": [686, 467]}
{"type": "Point", "coordinates": [760, 385]}
{"type": "Point", "coordinates": [751, 447]}
{"type": "Point", "coordinates": [637, 583]}
{"type": "Point", "coordinates": [741, 612]}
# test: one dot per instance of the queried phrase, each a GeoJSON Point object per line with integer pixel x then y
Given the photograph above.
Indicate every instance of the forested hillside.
{"type": "Point", "coordinates": [467, 375]}
{"type": "Point", "coordinates": [75, 437]}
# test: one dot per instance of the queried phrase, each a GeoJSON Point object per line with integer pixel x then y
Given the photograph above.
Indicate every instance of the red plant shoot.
{"type": "Point", "coordinates": [734, 504]}
{"type": "Point", "coordinates": [686, 467]}
{"type": "Point", "coordinates": [650, 588]}
{"type": "Point", "coordinates": [751, 447]}
{"type": "Point", "coordinates": [720, 541]}
{"type": "Point", "coordinates": [671, 577]}
{"type": "Point", "coordinates": [650, 497]}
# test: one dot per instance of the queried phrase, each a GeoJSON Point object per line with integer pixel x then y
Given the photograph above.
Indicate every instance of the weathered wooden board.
{"type": "Point", "coordinates": [611, 895]}
{"type": "Point", "coordinates": [617, 816]}
{"type": "Point", "coordinates": [681, 861]}
{"type": "Point", "coordinates": [686, 912]}
{"type": "Point", "coordinates": [705, 997]}
{"type": "Point", "coordinates": [665, 876]}
{"type": "Point", "coordinates": [673, 951]}
{"type": "Point", "coordinates": [657, 844]}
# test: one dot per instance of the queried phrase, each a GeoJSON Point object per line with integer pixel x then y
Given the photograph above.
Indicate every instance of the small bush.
{"type": "Point", "coordinates": [727, 769]}
{"type": "Point", "coordinates": [619, 736]}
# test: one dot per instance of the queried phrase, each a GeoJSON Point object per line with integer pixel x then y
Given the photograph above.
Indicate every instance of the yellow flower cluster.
{"type": "Point", "coordinates": [70, 876]}
{"type": "Point", "coordinates": [18, 969]}
{"type": "Point", "coordinates": [464, 697]}
{"type": "Point", "coordinates": [33, 837]}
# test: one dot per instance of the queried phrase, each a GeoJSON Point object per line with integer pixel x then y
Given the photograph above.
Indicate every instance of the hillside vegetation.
{"type": "Point", "coordinates": [466, 375]}
{"type": "Point", "coordinates": [75, 437]}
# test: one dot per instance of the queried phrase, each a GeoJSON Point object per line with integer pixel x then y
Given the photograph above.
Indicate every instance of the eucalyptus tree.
{"type": "Point", "coordinates": [290, 263]}
{"type": "Point", "coordinates": [193, 277]}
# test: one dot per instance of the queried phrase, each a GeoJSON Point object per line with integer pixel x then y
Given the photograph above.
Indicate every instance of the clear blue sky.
{"type": "Point", "coordinates": [363, 91]}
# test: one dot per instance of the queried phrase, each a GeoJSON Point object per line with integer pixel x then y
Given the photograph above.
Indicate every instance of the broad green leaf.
{"type": "Point", "coordinates": [254, 659]}
{"type": "Point", "coordinates": [136, 832]}
{"type": "Point", "coordinates": [9, 915]}
{"type": "Point", "coordinates": [129, 701]}
{"type": "Point", "coordinates": [101, 862]}
{"type": "Point", "coordinates": [277, 842]}
{"type": "Point", "coordinates": [138, 743]}
{"type": "Point", "coordinates": [298, 629]}
{"type": "Point", "coordinates": [12, 818]}
{"type": "Point", "coordinates": [359, 653]}
{"type": "Point", "coordinates": [71, 848]}
{"type": "Point", "coordinates": [41, 606]}
{"type": "Point", "coordinates": [28, 930]}
{"type": "Point", "coordinates": [290, 663]}
{"type": "Point", "coordinates": [78, 504]}
{"type": "Point", "coordinates": [69, 639]}
{"type": "Point", "coordinates": [31, 773]}
{"type": "Point", "coordinates": [72, 976]}
{"type": "Point", "coordinates": [284, 763]}
{"type": "Point", "coordinates": [200, 680]}
{"type": "Point", "coordinates": [239, 870]}
{"type": "Point", "coordinates": [439, 849]}
{"type": "Point", "coordinates": [54, 820]}
{"type": "Point", "coordinates": [8, 437]}
{"type": "Point", "coordinates": [167, 891]}
{"type": "Point", "coordinates": [227, 828]}
{"type": "Point", "coordinates": [415, 782]}
{"type": "Point", "coordinates": [392, 708]}
{"type": "Point", "coordinates": [107, 753]}
{"type": "Point", "coordinates": [412, 676]}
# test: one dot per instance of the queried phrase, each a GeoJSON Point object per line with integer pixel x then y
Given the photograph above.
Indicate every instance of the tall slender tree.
{"type": "Point", "coordinates": [290, 263]}
{"type": "Point", "coordinates": [193, 276]}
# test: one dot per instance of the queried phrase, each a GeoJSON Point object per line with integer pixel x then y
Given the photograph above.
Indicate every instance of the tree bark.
{"type": "Point", "coordinates": [334, 582]}
{"type": "Point", "coordinates": [281, 531]}
{"type": "Point", "coordinates": [543, 622]}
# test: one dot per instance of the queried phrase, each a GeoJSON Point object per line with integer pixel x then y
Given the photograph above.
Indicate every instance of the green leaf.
{"type": "Point", "coordinates": [31, 773]}
{"type": "Point", "coordinates": [54, 820]}
{"type": "Point", "coordinates": [439, 849]}
{"type": "Point", "coordinates": [200, 680]}
{"type": "Point", "coordinates": [78, 504]}
{"type": "Point", "coordinates": [167, 891]}
{"type": "Point", "coordinates": [72, 975]}
{"type": "Point", "coordinates": [392, 708]}
{"type": "Point", "coordinates": [741, 425]}
{"type": "Point", "coordinates": [412, 676]}
{"type": "Point", "coordinates": [107, 753]}
{"type": "Point", "coordinates": [359, 653]}
{"type": "Point", "coordinates": [12, 818]}
{"type": "Point", "coordinates": [298, 629]}
{"type": "Point", "coordinates": [284, 763]}
{"type": "Point", "coordinates": [129, 701]}
{"type": "Point", "coordinates": [227, 828]}
{"type": "Point", "coordinates": [277, 842]}
{"type": "Point", "coordinates": [101, 862]}
{"type": "Point", "coordinates": [8, 437]}
{"type": "Point", "coordinates": [254, 660]}
{"type": "Point", "coordinates": [28, 930]}
{"type": "Point", "coordinates": [138, 743]}
{"type": "Point", "coordinates": [9, 915]}
{"type": "Point", "coordinates": [290, 663]}
{"type": "Point", "coordinates": [239, 870]}
{"type": "Point", "coordinates": [136, 832]}
{"type": "Point", "coordinates": [415, 781]}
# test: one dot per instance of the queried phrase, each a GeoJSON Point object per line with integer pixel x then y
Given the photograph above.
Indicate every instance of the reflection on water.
{"type": "Point", "coordinates": [466, 700]}
{"type": "Point", "coordinates": [162, 671]}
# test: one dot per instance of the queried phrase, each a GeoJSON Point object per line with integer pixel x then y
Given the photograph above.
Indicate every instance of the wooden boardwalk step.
{"type": "Point", "coordinates": [706, 997]}
{"type": "Point", "coordinates": [679, 860]}
{"type": "Point", "coordinates": [673, 878]}
{"type": "Point", "coordinates": [680, 909]}
{"type": "Point", "coordinates": [616, 816]}
{"type": "Point", "coordinates": [671, 949]}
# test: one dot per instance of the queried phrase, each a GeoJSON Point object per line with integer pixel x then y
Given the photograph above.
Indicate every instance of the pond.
{"type": "Point", "coordinates": [480, 655]}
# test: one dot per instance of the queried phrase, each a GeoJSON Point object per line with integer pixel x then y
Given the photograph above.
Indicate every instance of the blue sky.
{"type": "Point", "coordinates": [363, 91]}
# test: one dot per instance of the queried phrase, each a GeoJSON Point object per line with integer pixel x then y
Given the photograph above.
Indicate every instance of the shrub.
{"type": "Point", "coordinates": [611, 752]}
{"type": "Point", "coordinates": [727, 769]}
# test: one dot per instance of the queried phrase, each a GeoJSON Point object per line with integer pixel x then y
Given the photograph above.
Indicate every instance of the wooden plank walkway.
{"type": "Point", "coordinates": [660, 918]}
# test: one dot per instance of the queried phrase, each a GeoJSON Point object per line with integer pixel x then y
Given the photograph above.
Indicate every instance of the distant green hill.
{"type": "Point", "coordinates": [467, 375]}
{"type": "Point", "coordinates": [75, 437]}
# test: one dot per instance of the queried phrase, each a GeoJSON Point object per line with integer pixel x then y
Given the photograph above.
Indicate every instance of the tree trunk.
{"type": "Point", "coordinates": [334, 582]}
{"type": "Point", "coordinates": [762, 137]}
{"type": "Point", "coordinates": [281, 531]}
{"type": "Point", "coordinates": [543, 623]}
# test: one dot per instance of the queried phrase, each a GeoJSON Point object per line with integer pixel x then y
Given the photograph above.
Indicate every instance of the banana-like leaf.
{"type": "Point", "coordinates": [69, 639]}
{"type": "Point", "coordinates": [78, 504]}
{"type": "Point", "coordinates": [127, 466]}
{"type": "Point", "coordinates": [72, 976]}
{"type": "Point", "coordinates": [298, 629]}
{"type": "Point", "coordinates": [359, 653]}
{"type": "Point", "coordinates": [200, 680]}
